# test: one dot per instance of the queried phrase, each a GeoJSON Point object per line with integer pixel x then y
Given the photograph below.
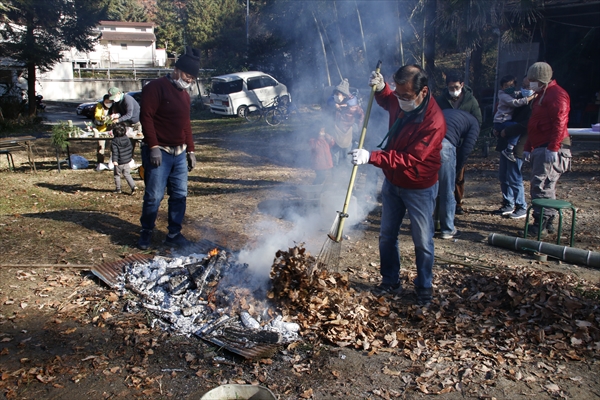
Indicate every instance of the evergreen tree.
{"type": "Point", "coordinates": [169, 26]}
{"type": "Point", "coordinates": [126, 10]}
{"type": "Point", "coordinates": [41, 31]}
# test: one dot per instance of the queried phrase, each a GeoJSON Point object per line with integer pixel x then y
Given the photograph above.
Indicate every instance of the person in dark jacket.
{"type": "Point", "coordinates": [461, 135]}
{"type": "Point", "coordinates": [510, 175]}
{"type": "Point", "coordinates": [122, 153]}
{"type": "Point", "coordinates": [168, 148]}
{"type": "Point", "coordinates": [410, 160]}
{"type": "Point", "coordinates": [458, 96]}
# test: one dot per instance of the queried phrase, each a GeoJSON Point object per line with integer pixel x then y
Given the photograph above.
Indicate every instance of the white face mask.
{"type": "Point", "coordinates": [407, 106]}
{"type": "Point", "coordinates": [456, 93]}
{"type": "Point", "coordinates": [535, 86]}
{"type": "Point", "coordinates": [108, 105]}
{"type": "Point", "coordinates": [181, 84]}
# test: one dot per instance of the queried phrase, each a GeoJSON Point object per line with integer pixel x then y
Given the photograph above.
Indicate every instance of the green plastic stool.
{"type": "Point", "coordinates": [558, 205]}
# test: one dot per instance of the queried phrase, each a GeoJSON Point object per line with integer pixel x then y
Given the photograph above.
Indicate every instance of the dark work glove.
{"type": "Point", "coordinates": [191, 159]}
{"type": "Point", "coordinates": [155, 156]}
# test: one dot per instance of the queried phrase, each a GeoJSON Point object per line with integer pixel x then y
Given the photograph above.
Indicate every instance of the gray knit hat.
{"type": "Point", "coordinates": [540, 71]}
{"type": "Point", "coordinates": [344, 88]}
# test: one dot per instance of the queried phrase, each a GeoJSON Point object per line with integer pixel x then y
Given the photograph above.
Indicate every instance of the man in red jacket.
{"type": "Point", "coordinates": [548, 144]}
{"type": "Point", "coordinates": [410, 160]}
{"type": "Point", "coordinates": [168, 148]}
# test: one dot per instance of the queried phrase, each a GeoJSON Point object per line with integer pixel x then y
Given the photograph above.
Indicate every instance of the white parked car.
{"type": "Point", "coordinates": [231, 94]}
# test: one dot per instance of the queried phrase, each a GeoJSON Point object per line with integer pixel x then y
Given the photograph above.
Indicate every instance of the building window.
{"type": "Point", "coordinates": [123, 46]}
{"type": "Point", "coordinates": [143, 29]}
{"type": "Point", "coordinates": [112, 28]}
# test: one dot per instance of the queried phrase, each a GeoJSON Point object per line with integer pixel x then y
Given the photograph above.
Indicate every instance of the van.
{"type": "Point", "coordinates": [231, 94]}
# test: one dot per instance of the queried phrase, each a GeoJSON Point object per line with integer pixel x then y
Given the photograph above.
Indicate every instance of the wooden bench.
{"type": "Point", "coordinates": [12, 144]}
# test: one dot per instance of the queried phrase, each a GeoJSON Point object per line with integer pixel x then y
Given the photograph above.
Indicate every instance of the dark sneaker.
{"type": "Point", "coordinates": [504, 210]}
{"type": "Point", "coordinates": [387, 288]}
{"type": "Point", "coordinates": [145, 239]}
{"type": "Point", "coordinates": [459, 210]}
{"type": "Point", "coordinates": [518, 213]}
{"type": "Point", "coordinates": [509, 155]}
{"type": "Point", "coordinates": [424, 296]}
{"type": "Point", "coordinates": [177, 241]}
{"type": "Point", "coordinates": [451, 235]}
{"type": "Point", "coordinates": [118, 191]}
{"type": "Point", "coordinates": [133, 190]}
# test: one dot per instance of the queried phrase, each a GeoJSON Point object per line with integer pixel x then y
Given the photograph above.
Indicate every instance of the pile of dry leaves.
{"type": "Point", "coordinates": [481, 324]}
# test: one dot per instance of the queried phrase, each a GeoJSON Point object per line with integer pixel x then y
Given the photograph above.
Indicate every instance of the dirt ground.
{"type": "Point", "coordinates": [64, 334]}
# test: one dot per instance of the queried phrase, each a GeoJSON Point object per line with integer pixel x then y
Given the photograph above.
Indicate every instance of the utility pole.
{"type": "Point", "coordinates": [247, 24]}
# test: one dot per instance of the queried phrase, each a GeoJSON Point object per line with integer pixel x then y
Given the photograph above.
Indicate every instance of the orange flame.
{"type": "Point", "coordinates": [213, 252]}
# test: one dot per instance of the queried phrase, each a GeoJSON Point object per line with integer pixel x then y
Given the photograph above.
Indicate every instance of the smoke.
{"type": "Point", "coordinates": [327, 41]}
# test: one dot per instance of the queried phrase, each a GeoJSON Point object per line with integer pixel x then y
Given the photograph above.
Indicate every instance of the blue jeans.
{"type": "Point", "coordinates": [447, 183]}
{"type": "Point", "coordinates": [171, 174]}
{"type": "Point", "coordinates": [511, 183]}
{"type": "Point", "coordinates": [420, 204]}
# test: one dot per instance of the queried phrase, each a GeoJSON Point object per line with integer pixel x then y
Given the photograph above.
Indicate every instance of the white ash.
{"type": "Point", "coordinates": [192, 295]}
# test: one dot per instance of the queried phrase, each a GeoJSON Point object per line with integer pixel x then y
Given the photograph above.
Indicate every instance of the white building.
{"type": "Point", "coordinates": [122, 44]}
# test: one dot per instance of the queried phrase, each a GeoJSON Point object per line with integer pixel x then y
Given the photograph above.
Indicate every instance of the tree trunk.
{"type": "Point", "coordinates": [31, 69]}
{"type": "Point", "coordinates": [476, 62]}
{"type": "Point", "coordinates": [429, 38]}
{"type": "Point", "coordinates": [362, 33]}
{"type": "Point", "coordinates": [324, 50]}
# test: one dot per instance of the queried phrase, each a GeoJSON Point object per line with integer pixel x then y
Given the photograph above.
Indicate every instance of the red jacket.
{"type": "Point", "coordinates": [411, 159]}
{"type": "Point", "coordinates": [321, 152]}
{"type": "Point", "coordinates": [547, 125]}
{"type": "Point", "coordinates": [165, 115]}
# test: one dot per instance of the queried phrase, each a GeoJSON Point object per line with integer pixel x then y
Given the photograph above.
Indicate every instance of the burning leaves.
{"type": "Point", "coordinates": [481, 326]}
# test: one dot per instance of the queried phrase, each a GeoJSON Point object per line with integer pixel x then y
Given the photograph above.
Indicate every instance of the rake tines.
{"type": "Point", "coordinates": [329, 256]}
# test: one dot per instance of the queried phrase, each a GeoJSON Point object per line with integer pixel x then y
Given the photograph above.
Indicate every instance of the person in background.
{"type": "Point", "coordinates": [124, 109]}
{"type": "Point", "coordinates": [101, 115]}
{"type": "Point", "coordinates": [461, 135]}
{"type": "Point", "coordinates": [168, 148]}
{"type": "Point", "coordinates": [320, 149]}
{"type": "Point", "coordinates": [410, 160]}
{"type": "Point", "coordinates": [347, 116]}
{"type": "Point", "coordinates": [508, 101]}
{"type": "Point", "coordinates": [509, 173]}
{"type": "Point", "coordinates": [459, 96]}
{"type": "Point", "coordinates": [122, 153]}
{"type": "Point", "coordinates": [548, 145]}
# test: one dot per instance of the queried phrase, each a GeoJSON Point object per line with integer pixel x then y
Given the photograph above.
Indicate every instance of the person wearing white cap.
{"type": "Point", "coordinates": [548, 145]}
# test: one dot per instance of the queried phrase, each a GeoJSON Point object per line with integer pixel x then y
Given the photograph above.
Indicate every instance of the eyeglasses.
{"type": "Point", "coordinates": [186, 77]}
{"type": "Point", "coordinates": [406, 96]}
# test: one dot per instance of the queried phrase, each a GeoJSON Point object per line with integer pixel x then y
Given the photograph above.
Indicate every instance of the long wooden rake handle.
{"type": "Point", "coordinates": [363, 133]}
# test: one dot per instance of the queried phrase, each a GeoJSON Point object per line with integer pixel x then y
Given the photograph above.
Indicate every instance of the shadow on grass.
{"type": "Point", "coordinates": [107, 223]}
{"type": "Point", "coordinates": [73, 188]}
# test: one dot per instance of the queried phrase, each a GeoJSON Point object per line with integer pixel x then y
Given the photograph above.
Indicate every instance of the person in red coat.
{"type": "Point", "coordinates": [410, 160]}
{"type": "Point", "coordinates": [548, 144]}
{"type": "Point", "coordinates": [320, 151]}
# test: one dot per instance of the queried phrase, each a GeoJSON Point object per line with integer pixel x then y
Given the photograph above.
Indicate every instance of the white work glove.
{"type": "Point", "coordinates": [551, 156]}
{"type": "Point", "coordinates": [360, 156]}
{"type": "Point", "coordinates": [526, 156]}
{"type": "Point", "coordinates": [376, 79]}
